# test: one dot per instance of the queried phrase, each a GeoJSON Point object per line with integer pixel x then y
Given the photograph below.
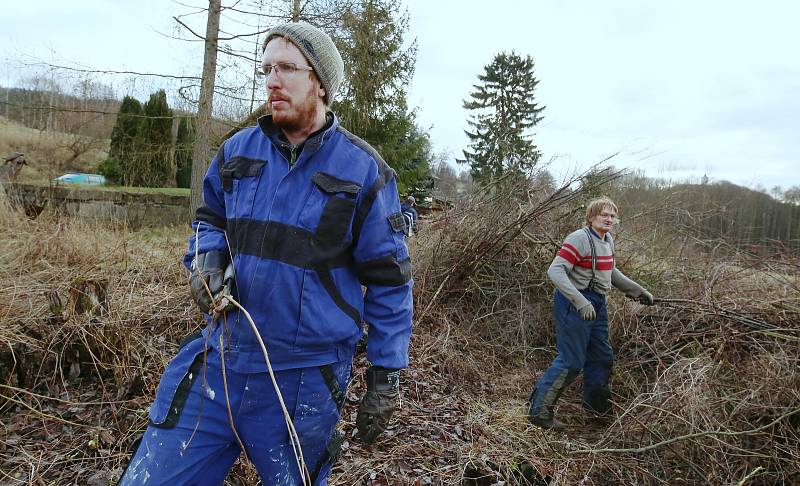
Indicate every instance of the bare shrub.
{"type": "Point", "coordinates": [53, 345]}
{"type": "Point", "coordinates": [705, 389]}
{"type": "Point", "coordinates": [50, 153]}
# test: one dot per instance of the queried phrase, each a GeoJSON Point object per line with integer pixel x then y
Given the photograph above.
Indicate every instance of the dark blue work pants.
{"type": "Point", "coordinates": [581, 345]}
{"type": "Point", "coordinates": [189, 440]}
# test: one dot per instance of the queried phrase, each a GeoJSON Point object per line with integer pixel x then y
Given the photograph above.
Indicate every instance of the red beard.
{"type": "Point", "coordinates": [295, 114]}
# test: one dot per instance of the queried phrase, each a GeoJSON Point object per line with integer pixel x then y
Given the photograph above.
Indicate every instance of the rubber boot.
{"type": "Point", "coordinates": [546, 420]}
{"type": "Point", "coordinates": [550, 424]}
{"type": "Point", "coordinates": [597, 402]}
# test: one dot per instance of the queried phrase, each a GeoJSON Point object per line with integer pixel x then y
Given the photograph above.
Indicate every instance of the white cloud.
{"type": "Point", "coordinates": [696, 86]}
{"type": "Point", "coordinates": [681, 87]}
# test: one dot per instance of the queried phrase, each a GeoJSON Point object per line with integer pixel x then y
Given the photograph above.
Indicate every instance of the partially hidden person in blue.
{"type": "Point", "coordinates": [298, 214]}
{"type": "Point", "coordinates": [409, 210]}
{"type": "Point", "coordinates": [583, 272]}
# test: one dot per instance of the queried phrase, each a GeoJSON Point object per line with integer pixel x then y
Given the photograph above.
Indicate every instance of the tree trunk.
{"type": "Point", "coordinates": [202, 150]}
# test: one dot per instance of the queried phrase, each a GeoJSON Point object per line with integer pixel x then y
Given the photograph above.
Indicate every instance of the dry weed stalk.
{"type": "Point", "coordinates": [53, 345]}
{"type": "Point", "coordinates": [707, 388]}
{"type": "Point", "coordinates": [706, 383]}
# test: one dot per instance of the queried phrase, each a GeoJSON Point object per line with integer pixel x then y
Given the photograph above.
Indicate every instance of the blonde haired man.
{"type": "Point", "coordinates": [583, 272]}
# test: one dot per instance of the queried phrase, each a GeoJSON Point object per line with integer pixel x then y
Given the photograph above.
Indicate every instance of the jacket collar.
{"type": "Point", "coordinates": [312, 143]}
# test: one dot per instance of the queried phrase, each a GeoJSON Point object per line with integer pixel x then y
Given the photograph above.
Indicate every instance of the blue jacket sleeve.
{"type": "Point", "coordinates": [208, 228]}
{"type": "Point", "coordinates": [384, 268]}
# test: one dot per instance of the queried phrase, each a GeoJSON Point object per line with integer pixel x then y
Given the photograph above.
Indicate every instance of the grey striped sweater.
{"type": "Point", "coordinates": [571, 269]}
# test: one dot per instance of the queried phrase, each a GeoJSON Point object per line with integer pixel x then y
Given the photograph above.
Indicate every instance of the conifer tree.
{"type": "Point", "coordinates": [373, 99]}
{"type": "Point", "coordinates": [504, 114]}
{"type": "Point", "coordinates": [153, 165]}
{"type": "Point", "coordinates": [123, 137]}
{"type": "Point", "coordinates": [184, 146]}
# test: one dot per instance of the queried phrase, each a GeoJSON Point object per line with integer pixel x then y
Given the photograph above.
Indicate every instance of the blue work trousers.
{"type": "Point", "coordinates": [190, 441]}
{"type": "Point", "coordinates": [581, 345]}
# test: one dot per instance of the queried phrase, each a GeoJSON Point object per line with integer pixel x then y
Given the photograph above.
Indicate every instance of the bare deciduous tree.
{"type": "Point", "coordinates": [202, 149]}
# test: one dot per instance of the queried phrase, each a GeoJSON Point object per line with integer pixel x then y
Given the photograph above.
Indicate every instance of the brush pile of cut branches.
{"type": "Point", "coordinates": [706, 384]}
{"type": "Point", "coordinates": [706, 387]}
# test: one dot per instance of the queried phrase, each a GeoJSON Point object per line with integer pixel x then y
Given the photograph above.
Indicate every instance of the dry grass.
{"type": "Point", "coordinates": [47, 152]}
{"type": "Point", "coordinates": [90, 372]}
{"type": "Point", "coordinates": [706, 383]}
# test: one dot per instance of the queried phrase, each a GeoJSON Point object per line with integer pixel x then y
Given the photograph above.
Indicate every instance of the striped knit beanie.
{"type": "Point", "coordinates": [318, 49]}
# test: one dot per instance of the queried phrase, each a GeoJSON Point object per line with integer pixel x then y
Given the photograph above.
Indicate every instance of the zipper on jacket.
{"type": "Point", "coordinates": [291, 151]}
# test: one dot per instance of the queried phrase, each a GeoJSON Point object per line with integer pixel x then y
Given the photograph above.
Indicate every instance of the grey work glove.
{"type": "Point", "coordinates": [378, 404]}
{"type": "Point", "coordinates": [207, 271]}
{"type": "Point", "coordinates": [587, 312]}
{"type": "Point", "coordinates": [646, 298]}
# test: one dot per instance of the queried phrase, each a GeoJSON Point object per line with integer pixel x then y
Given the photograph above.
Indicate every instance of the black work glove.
{"type": "Point", "coordinates": [222, 299]}
{"type": "Point", "coordinates": [378, 404]}
{"type": "Point", "coordinates": [208, 269]}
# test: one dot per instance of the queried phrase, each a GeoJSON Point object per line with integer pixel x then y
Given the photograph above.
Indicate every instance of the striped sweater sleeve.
{"type": "Point", "coordinates": [571, 252]}
{"type": "Point", "coordinates": [625, 284]}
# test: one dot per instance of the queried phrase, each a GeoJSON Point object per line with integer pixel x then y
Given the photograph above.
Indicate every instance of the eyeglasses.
{"type": "Point", "coordinates": [605, 215]}
{"type": "Point", "coordinates": [283, 68]}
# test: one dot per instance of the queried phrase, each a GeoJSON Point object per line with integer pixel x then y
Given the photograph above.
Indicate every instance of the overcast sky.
{"type": "Point", "coordinates": [680, 89]}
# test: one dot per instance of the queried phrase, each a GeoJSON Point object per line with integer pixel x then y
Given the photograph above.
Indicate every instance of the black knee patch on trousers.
{"type": "Point", "coordinates": [181, 394]}
{"type": "Point", "coordinates": [332, 451]}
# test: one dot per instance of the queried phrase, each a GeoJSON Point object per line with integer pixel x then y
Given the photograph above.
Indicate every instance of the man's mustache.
{"type": "Point", "coordinates": [273, 96]}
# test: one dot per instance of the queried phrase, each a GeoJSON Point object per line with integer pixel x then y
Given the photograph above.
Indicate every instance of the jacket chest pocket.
{"type": "Point", "coordinates": [334, 200]}
{"type": "Point", "coordinates": [239, 177]}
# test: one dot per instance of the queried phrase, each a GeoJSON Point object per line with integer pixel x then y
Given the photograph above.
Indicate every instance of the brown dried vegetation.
{"type": "Point", "coordinates": [706, 387]}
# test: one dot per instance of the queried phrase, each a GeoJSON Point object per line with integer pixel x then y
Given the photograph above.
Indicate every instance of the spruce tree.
{"type": "Point", "coordinates": [505, 112]}
{"type": "Point", "coordinates": [184, 147]}
{"type": "Point", "coordinates": [123, 137]}
{"type": "Point", "coordinates": [373, 99]}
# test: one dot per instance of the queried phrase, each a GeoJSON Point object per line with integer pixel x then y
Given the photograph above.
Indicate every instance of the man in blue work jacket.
{"type": "Point", "coordinates": [298, 215]}
{"type": "Point", "coordinates": [409, 211]}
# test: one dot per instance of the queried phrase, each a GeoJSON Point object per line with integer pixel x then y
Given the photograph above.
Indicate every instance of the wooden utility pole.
{"type": "Point", "coordinates": [201, 157]}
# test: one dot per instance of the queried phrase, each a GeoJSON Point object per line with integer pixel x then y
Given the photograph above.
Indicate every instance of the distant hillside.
{"type": "Point", "coordinates": [60, 112]}
{"type": "Point", "coordinates": [50, 153]}
{"type": "Point", "coordinates": [712, 211]}
{"type": "Point", "coordinates": [60, 132]}
{"type": "Point", "coordinates": [91, 116]}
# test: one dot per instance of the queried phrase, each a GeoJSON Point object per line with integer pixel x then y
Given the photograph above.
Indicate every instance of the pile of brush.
{"type": "Point", "coordinates": [91, 315]}
{"type": "Point", "coordinates": [706, 386]}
